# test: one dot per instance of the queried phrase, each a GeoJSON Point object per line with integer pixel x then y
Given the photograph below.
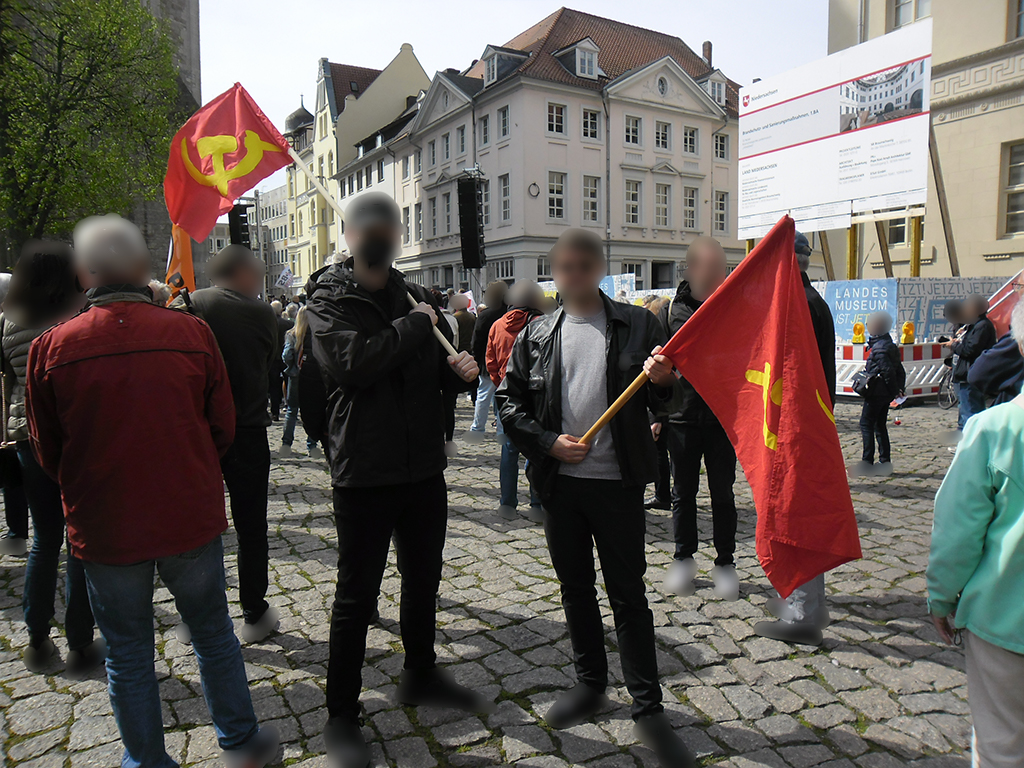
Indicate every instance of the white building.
{"type": "Point", "coordinates": [273, 232]}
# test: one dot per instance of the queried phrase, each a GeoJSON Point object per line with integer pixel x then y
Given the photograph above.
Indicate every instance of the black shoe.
{"type": "Point", "coordinates": [657, 503]}
{"type": "Point", "coordinates": [789, 632]}
{"type": "Point", "coordinates": [574, 706]}
{"type": "Point", "coordinates": [83, 661]}
{"type": "Point", "coordinates": [38, 654]}
{"type": "Point", "coordinates": [346, 747]}
{"type": "Point", "coordinates": [655, 731]}
{"type": "Point", "coordinates": [375, 616]}
{"type": "Point", "coordinates": [535, 513]}
{"type": "Point", "coordinates": [436, 688]}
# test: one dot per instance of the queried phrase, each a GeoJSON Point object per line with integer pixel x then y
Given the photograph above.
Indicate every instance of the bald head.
{"type": "Point", "coordinates": [706, 267]}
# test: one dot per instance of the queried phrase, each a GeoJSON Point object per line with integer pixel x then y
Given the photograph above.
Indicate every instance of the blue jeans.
{"type": "Point", "coordinates": [972, 401]}
{"type": "Point", "coordinates": [122, 599]}
{"type": "Point", "coordinates": [44, 561]}
{"type": "Point", "coordinates": [291, 414]}
{"type": "Point", "coordinates": [508, 476]}
{"type": "Point", "coordinates": [484, 397]}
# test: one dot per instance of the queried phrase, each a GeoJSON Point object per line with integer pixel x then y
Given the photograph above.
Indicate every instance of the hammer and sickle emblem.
{"type": "Point", "coordinates": [770, 391]}
{"type": "Point", "coordinates": [218, 146]}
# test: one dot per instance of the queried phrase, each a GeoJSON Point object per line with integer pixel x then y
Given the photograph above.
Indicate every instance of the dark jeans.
{"type": "Point", "coordinates": [972, 401]}
{"type": "Point", "coordinates": [663, 485]}
{"type": "Point", "coordinates": [579, 514]}
{"type": "Point", "coordinates": [689, 443]}
{"type": "Point", "coordinates": [15, 504]}
{"type": "Point", "coordinates": [416, 515]}
{"type": "Point", "coordinates": [275, 387]}
{"type": "Point", "coordinates": [449, 399]}
{"type": "Point", "coordinates": [44, 561]}
{"type": "Point", "coordinates": [873, 425]}
{"type": "Point", "coordinates": [246, 468]}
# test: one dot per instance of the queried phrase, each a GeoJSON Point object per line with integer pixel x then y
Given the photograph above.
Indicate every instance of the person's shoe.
{"type": "Point", "coordinates": [679, 580]}
{"type": "Point", "coordinates": [472, 437]}
{"type": "Point", "coordinates": [727, 583]}
{"type": "Point", "coordinates": [507, 511]}
{"type": "Point", "coordinates": [574, 706]}
{"type": "Point", "coordinates": [375, 616]}
{"type": "Point", "coordinates": [346, 747]}
{"type": "Point", "coordinates": [314, 452]}
{"type": "Point", "coordinates": [779, 608]}
{"type": "Point", "coordinates": [437, 688]}
{"type": "Point", "coordinates": [535, 513]}
{"type": "Point", "coordinates": [37, 656]}
{"type": "Point", "coordinates": [183, 634]}
{"type": "Point", "coordinates": [259, 751]}
{"type": "Point", "coordinates": [284, 451]}
{"type": "Point", "coordinates": [81, 662]}
{"type": "Point", "coordinates": [275, 416]}
{"type": "Point", "coordinates": [883, 469]}
{"type": "Point", "coordinates": [451, 449]}
{"type": "Point", "coordinates": [15, 546]}
{"type": "Point", "coordinates": [862, 469]}
{"type": "Point", "coordinates": [259, 630]}
{"type": "Point", "coordinates": [789, 632]}
{"type": "Point", "coordinates": [821, 618]}
{"type": "Point", "coordinates": [655, 732]}
{"type": "Point", "coordinates": [657, 503]}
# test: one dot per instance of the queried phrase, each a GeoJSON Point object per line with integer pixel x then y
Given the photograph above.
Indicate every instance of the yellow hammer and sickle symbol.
{"type": "Point", "coordinates": [218, 146]}
{"type": "Point", "coordinates": [769, 391]}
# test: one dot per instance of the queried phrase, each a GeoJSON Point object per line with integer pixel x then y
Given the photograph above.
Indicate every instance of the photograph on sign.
{"type": "Point", "coordinates": [837, 137]}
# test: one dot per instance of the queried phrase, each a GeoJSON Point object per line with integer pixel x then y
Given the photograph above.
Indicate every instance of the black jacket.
{"type": "Point", "coordinates": [979, 336]}
{"type": "Point", "coordinates": [482, 330]}
{"type": "Point", "coordinates": [884, 359]}
{"type": "Point", "coordinates": [692, 408]}
{"type": "Point", "coordinates": [384, 372]}
{"type": "Point", "coordinates": [824, 333]}
{"type": "Point", "coordinates": [998, 372]}
{"type": "Point", "coordinates": [529, 398]}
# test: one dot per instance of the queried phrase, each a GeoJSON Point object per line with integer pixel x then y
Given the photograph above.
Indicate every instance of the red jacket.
{"type": "Point", "coordinates": [129, 410]}
{"type": "Point", "coordinates": [501, 338]}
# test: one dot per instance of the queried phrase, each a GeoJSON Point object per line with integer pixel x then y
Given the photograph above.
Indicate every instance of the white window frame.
{"type": "Point", "coordinates": [628, 131]}
{"type": "Point", "coordinates": [504, 269]}
{"type": "Point", "coordinates": [917, 9]}
{"type": "Point", "coordinates": [720, 212]}
{"type": "Point", "coordinates": [584, 113]}
{"type": "Point", "coordinates": [558, 181]}
{"type": "Point", "coordinates": [490, 69]}
{"type": "Point", "coordinates": [691, 212]}
{"type": "Point", "coordinates": [432, 203]}
{"type": "Point", "coordinates": [586, 63]}
{"type": "Point", "coordinates": [418, 221]}
{"type": "Point", "coordinates": [446, 147]}
{"type": "Point", "coordinates": [485, 130]}
{"type": "Point", "coordinates": [446, 200]}
{"type": "Point", "coordinates": [691, 140]}
{"type": "Point", "coordinates": [1013, 190]}
{"type": "Point", "coordinates": [504, 122]}
{"type": "Point", "coordinates": [406, 226]}
{"type": "Point", "coordinates": [663, 128]}
{"type": "Point", "coordinates": [417, 166]}
{"type": "Point", "coordinates": [662, 205]}
{"type": "Point", "coordinates": [460, 140]}
{"type": "Point", "coordinates": [556, 110]}
{"type": "Point", "coordinates": [432, 153]}
{"type": "Point", "coordinates": [633, 203]}
{"type": "Point", "coordinates": [406, 165]}
{"type": "Point", "coordinates": [721, 146]}
{"type": "Point", "coordinates": [485, 201]}
{"type": "Point", "coordinates": [505, 194]}
{"type": "Point", "coordinates": [716, 90]}
{"type": "Point", "coordinates": [591, 200]}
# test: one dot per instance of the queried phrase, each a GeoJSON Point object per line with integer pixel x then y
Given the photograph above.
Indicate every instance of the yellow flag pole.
{"type": "Point", "coordinates": [614, 408]}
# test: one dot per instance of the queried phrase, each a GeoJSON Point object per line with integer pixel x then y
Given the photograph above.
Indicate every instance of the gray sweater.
{"type": "Point", "coordinates": [16, 342]}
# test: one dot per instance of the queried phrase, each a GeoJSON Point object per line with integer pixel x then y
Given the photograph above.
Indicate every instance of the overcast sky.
{"type": "Point", "coordinates": [272, 46]}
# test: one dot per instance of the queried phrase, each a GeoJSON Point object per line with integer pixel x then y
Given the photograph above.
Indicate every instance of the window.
{"type": "Point", "coordinates": [504, 127]}
{"type": "Point", "coordinates": [446, 200]}
{"type": "Point", "coordinates": [351, 184]}
{"type": "Point", "coordinates": [485, 130]}
{"type": "Point", "coordinates": [662, 204]}
{"type": "Point", "coordinates": [1015, 190]}
{"type": "Point", "coordinates": [586, 63]}
{"type": "Point", "coordinates": [556, 195]}
{"type": "Point", "coordinates": [591, 198]}
{"type": "Point", "coordinates": [485, 201]}
{"type": "Point", "coordinates": [637, 270]}
{"type": "Point", "coordinates": [689, 207]}
{"type": "Point", "coordinates": [504, 269]}
{"type": "Point", "coordinates": [418, 161]}
{"type": "Point", "coordinates": [909, 11]}
{"type": "Point", "coordinates": [721, 211]}
{"type": "Point", "coordinates": [662, 135]}
{"type": "Point", "coordinates": [432, 153]}
{"type": "Point", "coordinates": [633, 202]}
{"type": "Point", "coordinates": [897, 231]}
{"type": "Point", "coordinates": [432, 205]}
{"type": "Point", "coordinates": [444, 99]}
{"type": "Point", "coordinates": [491, 70]}
{"type": "Point", "coordinates": [543, 268]}
{"type": "Point", "coordinates": [721, 146]}
{"type": "Point", "coordinates": [380, 171]}
{"type": "Point", "coordinates": [359, 180]}
{"type": "Point", "coordinates": [716, 90]}
{"type": "Point", "coordinates": [405, 225]}
{"type": "Point", "coordinates": [689, 140]}
{"type": "Point", "coordinates": [330, 163]}
{"type": "Point", "coordinates": [592, 123]}
{"type": "Point", "coordinates": [556, 118]}
{"type": "Point", "coordinates": [634, 129]}
{"type": "Point", "coordinates": [505, 191]}
{"type": "Point", "coordinates": [446, 147]}
{"type": "Point", "coordinates": [460, 140]}
{"type": "Point", "coordinates": [405, 167]}
{"type": "Point", "coordinates": [662, 86]}
{"type": "Point", "coordinates": [1017, 20]}
{"type": "Point", "coordinates": [343, 187]}
{"type": "Point", "coordinates": [418, 217]}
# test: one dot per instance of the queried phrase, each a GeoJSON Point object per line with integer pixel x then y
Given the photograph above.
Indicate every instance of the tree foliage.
{"type": "Point", "coordinates": [88, 94]}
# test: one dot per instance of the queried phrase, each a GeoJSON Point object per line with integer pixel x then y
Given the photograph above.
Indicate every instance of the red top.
{"type": "Point", "coordinates": [129, 410]}
{"type": "Point", "coordinates": [501, 338]}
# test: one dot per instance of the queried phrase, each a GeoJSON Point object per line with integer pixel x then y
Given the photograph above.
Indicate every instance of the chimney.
{"type": "Point", "coordinates": [706, 52]}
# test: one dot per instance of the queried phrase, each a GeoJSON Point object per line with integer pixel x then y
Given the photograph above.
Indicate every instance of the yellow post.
{"type": "Point", "coordinates": [750, 245]}
{"type": "Point", "coordinates": [852, 256]}
{"type": "Point", "coordinates": [915, 246]}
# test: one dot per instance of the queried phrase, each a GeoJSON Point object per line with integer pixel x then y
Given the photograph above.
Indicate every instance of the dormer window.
{"type": "Point", "coordinates": [586, 63]}
{"type": "Point", "coordinates": [491, 70]}
{"type": "Point", "coordinates": [580, 59]}
{"type": "Point", "coordinates": [716, 89]}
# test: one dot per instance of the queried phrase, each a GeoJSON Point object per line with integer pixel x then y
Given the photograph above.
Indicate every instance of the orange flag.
{"type": "Point", "coordinates": [224, 150]}
{"type": "Point", "coordinates": [750, 352]}
{"type": "Point", "coordinates": [180, 273]}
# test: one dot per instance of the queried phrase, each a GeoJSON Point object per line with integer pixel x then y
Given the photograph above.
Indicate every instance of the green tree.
{"type": "Point", "coordinates": [88, 103]}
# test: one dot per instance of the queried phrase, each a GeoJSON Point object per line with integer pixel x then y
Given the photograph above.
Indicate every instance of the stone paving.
{"type": "Point", "coordinates": [881, 692]}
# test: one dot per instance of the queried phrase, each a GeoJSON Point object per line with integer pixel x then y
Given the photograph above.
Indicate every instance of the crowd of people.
{"type": "Point", "coordinates": [110, 386]}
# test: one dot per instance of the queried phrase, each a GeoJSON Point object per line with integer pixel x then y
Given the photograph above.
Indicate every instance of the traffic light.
{"type": "Point", "coordinates": [238, 225]}
{"type": "Point", "coordinates": [471, 223]}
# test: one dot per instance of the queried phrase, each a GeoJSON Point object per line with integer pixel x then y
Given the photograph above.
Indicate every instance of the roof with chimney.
{"type": "Point", "coordinates": [346, 80]}
{"type": "Point", "coordinates": [623, 49]}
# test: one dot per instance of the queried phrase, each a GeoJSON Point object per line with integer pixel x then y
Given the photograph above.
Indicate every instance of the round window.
{"type": "Point", "coordinates": [662, 86]}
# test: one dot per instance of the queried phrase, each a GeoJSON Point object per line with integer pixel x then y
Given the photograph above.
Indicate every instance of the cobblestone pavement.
{"type": "Point", "coordinates": [881, 691]}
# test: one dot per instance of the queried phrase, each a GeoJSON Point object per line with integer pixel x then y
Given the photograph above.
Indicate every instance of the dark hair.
{"type": "Point", "coordinates": [44, 284]}
{"type": "Point", "coordinates": [582, 240]}
{"type": "Point", "coordinates": [229, 258]}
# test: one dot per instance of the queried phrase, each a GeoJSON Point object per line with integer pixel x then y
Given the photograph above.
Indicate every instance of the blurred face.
{"type": "Point", "coordinates": [576, 273]}
{"type": "Point", "coordinates": [704, 270]}
{"type": "Point", "coordinates": [374, 247]}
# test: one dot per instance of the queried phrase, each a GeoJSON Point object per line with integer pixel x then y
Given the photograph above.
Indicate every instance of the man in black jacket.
{"type": "Point", "coordinates": [821, 316]}
{"type": "Point", "coordinates": [385, 374]}
{"type": "Point", "coordinates": [494, 300]}
{"type": "Point", "coordinates": [693, 434]}
{"type": "Point", "coordinates": [978, 336]}
{"type": "Point", "coordinates": [564, 370]}
{"type": "Point", "coordinates": [999, 371]}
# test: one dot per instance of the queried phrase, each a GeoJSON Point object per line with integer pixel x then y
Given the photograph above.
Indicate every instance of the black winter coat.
{"type": "Point", "coordinates": [884, 359]}
{"type": "Point", "coordinates": [998, 372]}
{"type": "Point", "coordinates": [482, 330]}
{"type": "Point", "coordinates": [384, 373]}
{"type": "Point", "coordinates": [692, 408]}
{"type": "Point", "coordinates": [979, 336]}
{"type": "Point", "coordinates": [530, 396]}
{"type": "Point", "coordinates": [824, 333]}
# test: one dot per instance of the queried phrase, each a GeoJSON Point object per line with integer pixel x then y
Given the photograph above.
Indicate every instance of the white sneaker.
{"type": "Point", "coordinates": [727, 583]}
{"type": "Point", "coordinates": [284, 451]}
{"type": "Point", "coordinates": [451, 449]}
{"type": "Point", "coordinates": [680, 576]}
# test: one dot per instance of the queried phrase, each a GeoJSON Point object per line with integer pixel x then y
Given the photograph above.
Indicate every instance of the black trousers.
{"type": "Point", "coordinates": [275, 388]}
{"type": "Point", "coordinates": [580, 514]}
{"type": "Point", "coordinates": [688, 444]}
{"type": "Point", "coordinates": [416, 515]}
{"type": "Point", "coordinates": [663, 486]}
{"type": "Point", "coordinates": [874, 416]}
{"type": "Point", "coordinates": [246, 468]}
{"type": "Point", "coordinates": [449, 399]}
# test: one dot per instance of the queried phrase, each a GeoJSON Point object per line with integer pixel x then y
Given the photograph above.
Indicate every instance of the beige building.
{"type": "Point", "coordinates": [977, 105]}
{"type": "Point", "coordinates": [269, 218]}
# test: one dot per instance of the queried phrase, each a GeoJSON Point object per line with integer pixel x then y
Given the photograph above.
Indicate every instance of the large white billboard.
{"type": "Point", "coordinates": [840, 136]}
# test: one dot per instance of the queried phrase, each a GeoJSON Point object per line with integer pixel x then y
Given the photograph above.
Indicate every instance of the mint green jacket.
{"type": "Point", "coordinates": [976, 567]}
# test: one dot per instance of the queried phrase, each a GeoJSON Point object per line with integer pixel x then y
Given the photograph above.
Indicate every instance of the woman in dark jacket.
{"type": "Point", "coordinates": [889, 381]}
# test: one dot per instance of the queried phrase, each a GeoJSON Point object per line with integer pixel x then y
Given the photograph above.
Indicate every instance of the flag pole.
{"type": "Point", "coordinates": [614, 408]}
{"type": "Point", "coordinates": [337, 208]}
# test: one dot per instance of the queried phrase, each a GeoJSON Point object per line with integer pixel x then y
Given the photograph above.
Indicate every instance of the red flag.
{"type": "Point", "coordinates": [1000, 306]}
{"type": "Point", "coordinates": [750, 352]}
{"type": "Point", "coordinates": [224, 150]}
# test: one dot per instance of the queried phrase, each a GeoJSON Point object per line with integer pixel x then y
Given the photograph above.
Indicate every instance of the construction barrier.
{"type": "Point", "coordinates": [922, 362]}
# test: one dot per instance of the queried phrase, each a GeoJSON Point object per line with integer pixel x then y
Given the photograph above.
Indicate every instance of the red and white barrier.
{"type": "Point", "coordinates": [923, 363]}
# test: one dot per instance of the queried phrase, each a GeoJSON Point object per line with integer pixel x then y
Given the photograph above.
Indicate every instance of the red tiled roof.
{"type": "Point", "coordinates": [342, 77]}
{"type": "Point", "coordinates": [624, 48]}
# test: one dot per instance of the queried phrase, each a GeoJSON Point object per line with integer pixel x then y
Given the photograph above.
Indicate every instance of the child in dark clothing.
{"type": "Point", "coordinates": [889, 382]}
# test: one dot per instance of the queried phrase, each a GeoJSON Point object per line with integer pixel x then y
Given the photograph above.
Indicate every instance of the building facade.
{"type": "Point", "coordinates": [977, 106]}
{"type": "Point", "coordinates": [268, 225]}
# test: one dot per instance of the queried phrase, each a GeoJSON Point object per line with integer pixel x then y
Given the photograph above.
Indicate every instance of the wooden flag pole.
{"type": "Point", "coordinates": [614, 408]}
{"type": "Point", "coordinates": [337, 208]}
